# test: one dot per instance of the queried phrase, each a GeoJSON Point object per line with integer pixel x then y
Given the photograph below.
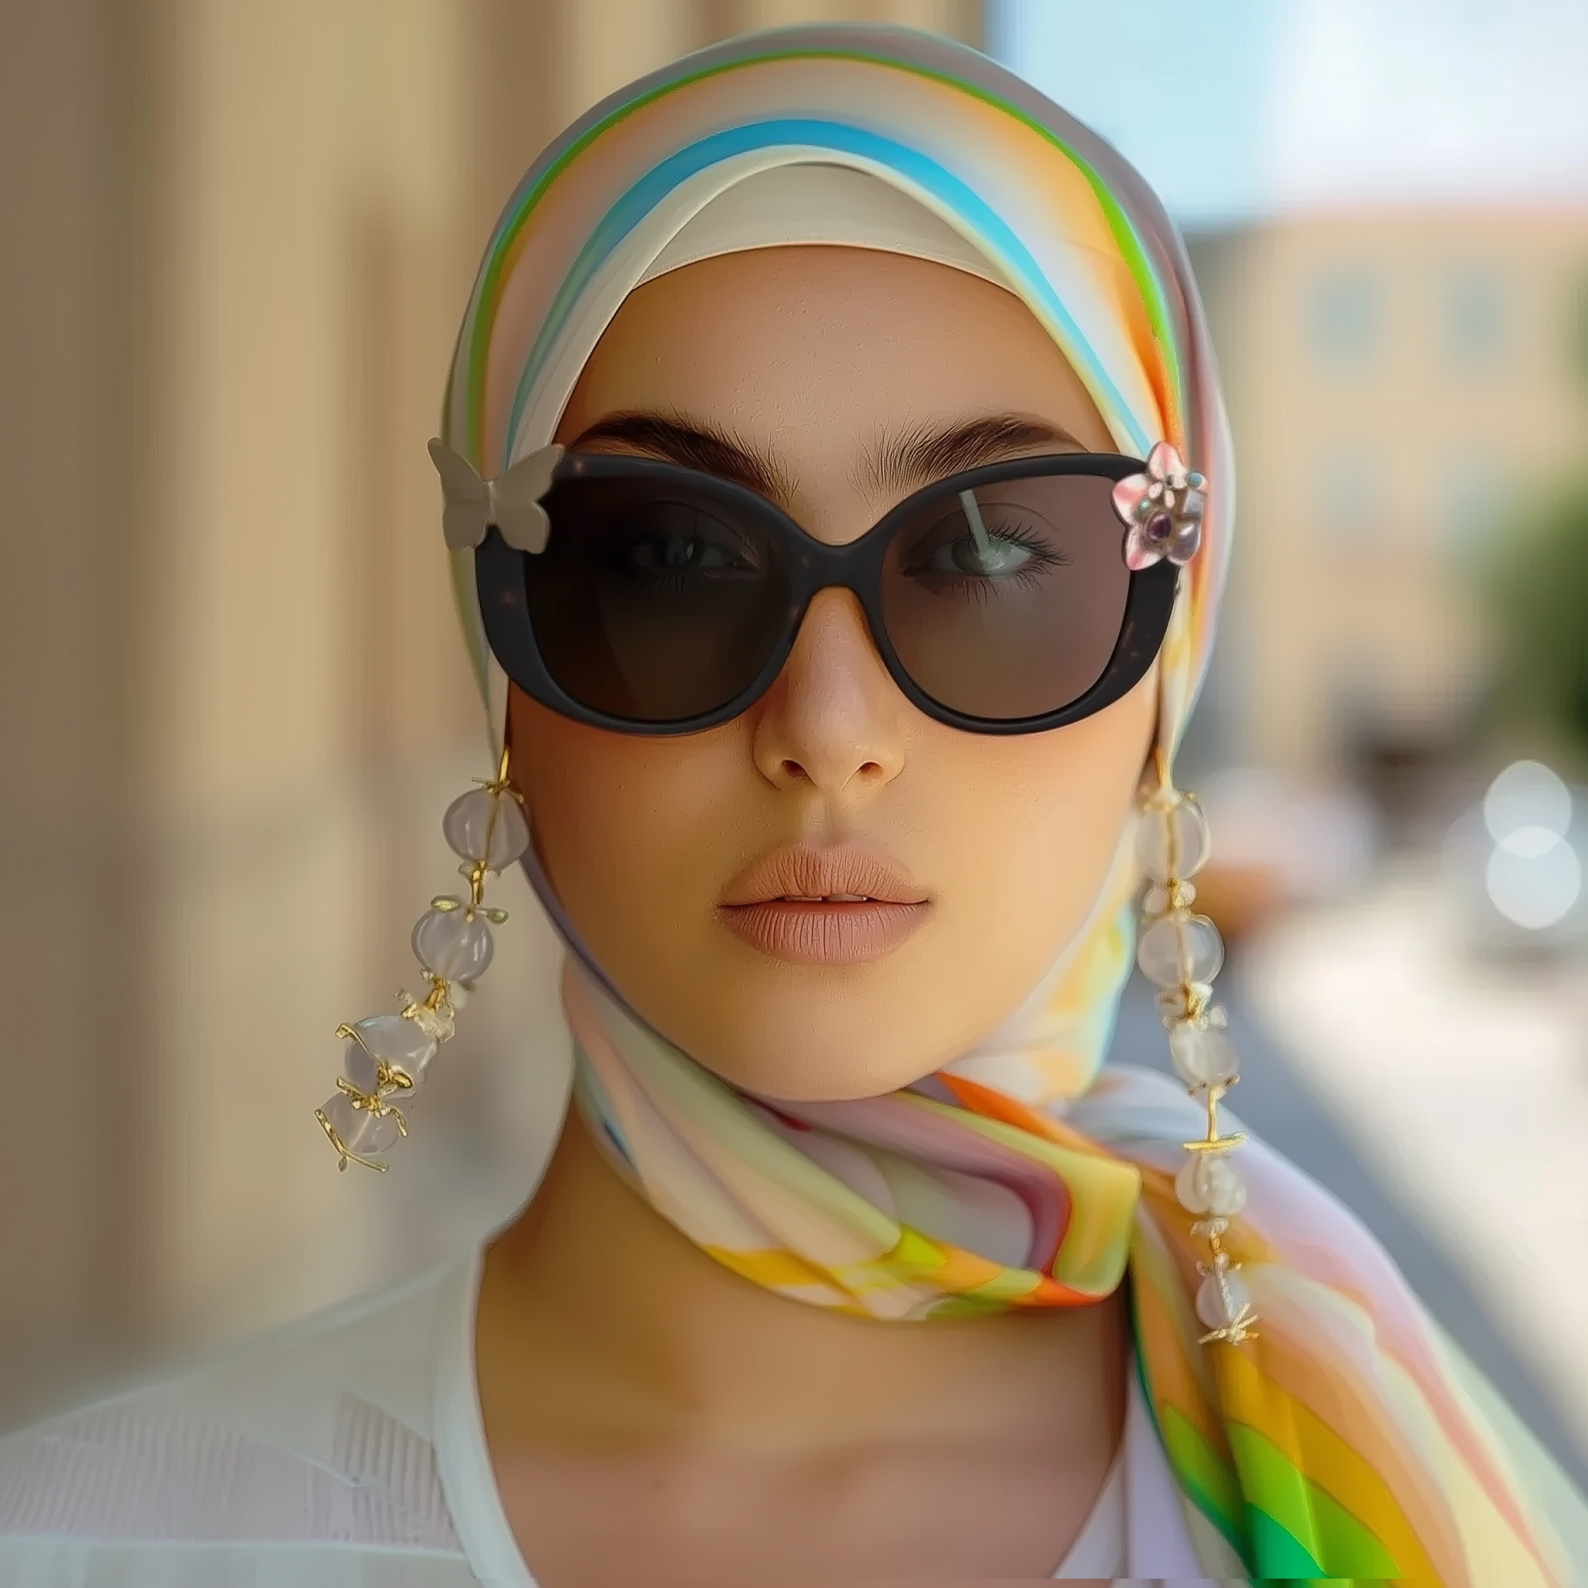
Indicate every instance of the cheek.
{"type": "Point", "coordinates": [617, 818]}
{"type": "Point", "coordinates": [1032, 823]}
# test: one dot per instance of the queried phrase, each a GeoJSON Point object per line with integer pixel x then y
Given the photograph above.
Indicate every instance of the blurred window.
{"type": "Point", "coordinates": [1349, 494]}
{"type": "Point", "coordinates": [1470, 502]}
{"type": "Point", "coordinates": [1344, 317]}
{"type": "Point", "coordinates": [1473, 318]}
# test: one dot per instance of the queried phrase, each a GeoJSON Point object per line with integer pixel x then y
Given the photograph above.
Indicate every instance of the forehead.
{"type": "Point", "coordinates": [818, 349]}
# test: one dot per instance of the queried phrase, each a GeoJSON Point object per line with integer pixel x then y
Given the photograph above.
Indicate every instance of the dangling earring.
{"type": "Point", "coordinates": [1181, 952]}
{"type": "Point", "coordinates": [387, 1055]}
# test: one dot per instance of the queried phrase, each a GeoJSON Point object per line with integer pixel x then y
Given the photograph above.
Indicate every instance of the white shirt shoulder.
{"type": "Point", "coordinates": [306, 1456]}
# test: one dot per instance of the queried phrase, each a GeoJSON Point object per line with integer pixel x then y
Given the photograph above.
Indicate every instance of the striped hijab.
{"type": "Point", "coordinates": [1348, 1440]}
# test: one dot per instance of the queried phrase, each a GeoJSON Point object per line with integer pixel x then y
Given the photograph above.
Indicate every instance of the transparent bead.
{"type": "Point", "coordinates": [361, 1131]}
{"type": "Point", "coordinates": [454, 944]}
{"type": "Point", "coordinates": [361, 1069]}
{"type": "Point", "coordinates": [1209, 1183]}
{"type": "Point", "coordinates": [1180, 949]}
{"type": "Point", "coordinates": [1173, 844]}
{"type": "Point", "coordinates": [1212, 1308]}
{"type": "Point", "coordinates": [482, 825]}
{"type": "Point", "coordinates": [1203, 1054]}
{"type": "Point", "coordinates": [389, 1039]}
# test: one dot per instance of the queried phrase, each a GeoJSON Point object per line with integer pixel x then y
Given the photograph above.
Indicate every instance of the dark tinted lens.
{"type": "Point", "coordinates": [1007, 602]}
{"type": "Point", "coordinates": [652, 602]}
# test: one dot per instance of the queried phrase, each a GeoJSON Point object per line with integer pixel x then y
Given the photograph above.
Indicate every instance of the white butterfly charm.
{"type": "Point", "coordinates": [510, 503]}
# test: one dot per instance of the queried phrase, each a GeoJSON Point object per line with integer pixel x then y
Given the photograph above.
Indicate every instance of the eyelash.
{"type": "Point", "coordinates": [1043, 558]}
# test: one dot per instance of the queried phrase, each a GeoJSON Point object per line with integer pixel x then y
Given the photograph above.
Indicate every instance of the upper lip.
{"type": "Point", "coordinates": [804, 871]}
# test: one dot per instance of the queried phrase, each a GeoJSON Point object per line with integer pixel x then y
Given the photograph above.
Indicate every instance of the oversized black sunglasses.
{"type": "Point", "coordinates": [646, 598]}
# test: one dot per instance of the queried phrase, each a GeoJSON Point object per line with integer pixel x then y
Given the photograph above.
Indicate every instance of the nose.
{"type": "Point", "coordinates": [834, 721]}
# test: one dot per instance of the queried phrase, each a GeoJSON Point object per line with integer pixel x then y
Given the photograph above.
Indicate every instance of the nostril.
{"type": "Point", "coordinates": [792, 769]}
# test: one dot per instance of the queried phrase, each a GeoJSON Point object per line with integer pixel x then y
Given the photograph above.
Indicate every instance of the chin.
{"type": "Point", "coordinates": [814, 1048]}
{"type": "Point", "coordinates": [824, 1033]}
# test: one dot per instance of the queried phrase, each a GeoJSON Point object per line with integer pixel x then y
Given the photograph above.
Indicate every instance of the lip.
{"type": "Point", "coordinates": [844, 905]}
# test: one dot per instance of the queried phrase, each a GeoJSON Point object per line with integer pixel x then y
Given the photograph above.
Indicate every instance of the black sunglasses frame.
{"type": "Point", "coordinates": [501, 572]}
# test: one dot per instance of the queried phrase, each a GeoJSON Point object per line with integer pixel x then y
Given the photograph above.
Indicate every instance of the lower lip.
{"type": "Point", "coordinates": [824, 933]}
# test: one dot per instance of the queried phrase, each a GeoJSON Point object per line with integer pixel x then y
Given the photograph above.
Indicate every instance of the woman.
{"type": "Point", "coordinates": [819, 462]}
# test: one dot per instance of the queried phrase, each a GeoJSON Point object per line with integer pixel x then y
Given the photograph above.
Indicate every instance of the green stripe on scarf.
{"type": "Point", "coordinates": [1205, 1476]}
{"type": "Point", "coordinates": [1297, 1529]}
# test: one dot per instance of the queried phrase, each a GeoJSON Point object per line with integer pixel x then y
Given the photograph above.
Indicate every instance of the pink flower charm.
{"type": "Point", "coordinates": [1162, 509]}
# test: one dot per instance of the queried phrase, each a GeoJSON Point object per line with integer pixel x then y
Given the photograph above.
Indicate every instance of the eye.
{"type": "Point", "coordinates": [676, 553]}
{"type": "Point", "coordinates": [672, 540]}
{"type": "Point", "coordinates": [996, 556]}
{"type": "Point", "coordinates": [984, 545]}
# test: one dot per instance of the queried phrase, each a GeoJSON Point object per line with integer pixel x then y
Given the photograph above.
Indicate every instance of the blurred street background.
{"type": "Point", "coordinates": [1387, 210]}
{"type": "Point", "coordinates": [235, 244]}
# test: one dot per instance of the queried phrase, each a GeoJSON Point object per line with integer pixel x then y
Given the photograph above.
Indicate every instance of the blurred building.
{"type": "Point", "coordinates": [1398, 380]}
{"type": "Point", "coordinates": [238, 239]}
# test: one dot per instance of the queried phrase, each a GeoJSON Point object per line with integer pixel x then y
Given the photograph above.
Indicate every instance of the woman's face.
{"type": "Point", "coordinates": [838, 381]}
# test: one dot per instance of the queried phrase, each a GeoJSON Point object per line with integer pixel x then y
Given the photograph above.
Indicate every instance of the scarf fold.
{"type": "Point", "coordinates": [1348, 1440]}
{"type": "Point", "coordinates": [896, 1207]}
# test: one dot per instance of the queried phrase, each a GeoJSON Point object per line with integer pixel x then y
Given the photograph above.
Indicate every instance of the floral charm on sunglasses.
{"type": "Point", "coordinates": [1162, 509]}
{"type": "Point", "coordinates": [510, 504]}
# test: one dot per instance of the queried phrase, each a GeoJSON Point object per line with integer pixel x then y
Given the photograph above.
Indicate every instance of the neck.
{"type": "Point", "coordinates": [601, 1326]}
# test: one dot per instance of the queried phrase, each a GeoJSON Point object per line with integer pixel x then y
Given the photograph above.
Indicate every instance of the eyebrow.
{"type": "Point", "coordinates": [695, 444]}
{"type": "Point", "coordinates": [897, 464]}
{"type": "Point", "coordinates": [916, 457]}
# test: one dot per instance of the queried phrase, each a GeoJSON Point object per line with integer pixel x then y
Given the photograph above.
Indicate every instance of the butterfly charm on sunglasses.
{"type": "Point", "coordinates": [511, 503]}
{"type": "Point", "coordinates": [1162, 509]}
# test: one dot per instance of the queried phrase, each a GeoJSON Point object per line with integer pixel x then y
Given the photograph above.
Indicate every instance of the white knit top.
{"type": "Point", "coordinates": [348, 1452]}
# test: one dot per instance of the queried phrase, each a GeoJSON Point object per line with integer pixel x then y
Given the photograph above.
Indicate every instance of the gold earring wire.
{"type": "Point", "coordinates": [1181, 952]}
{"type": "Point", "coordinates": [387, 1056]}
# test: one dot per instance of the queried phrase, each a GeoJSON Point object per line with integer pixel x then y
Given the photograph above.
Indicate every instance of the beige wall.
{"type": "Point", "coordinates": [1394, 381]}
{"type": "Point", "coordinates": [237, 241]}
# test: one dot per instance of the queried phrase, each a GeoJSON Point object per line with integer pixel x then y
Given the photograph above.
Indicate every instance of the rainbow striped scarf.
{"type": "Point", "coordinates": [1344, 1442]}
